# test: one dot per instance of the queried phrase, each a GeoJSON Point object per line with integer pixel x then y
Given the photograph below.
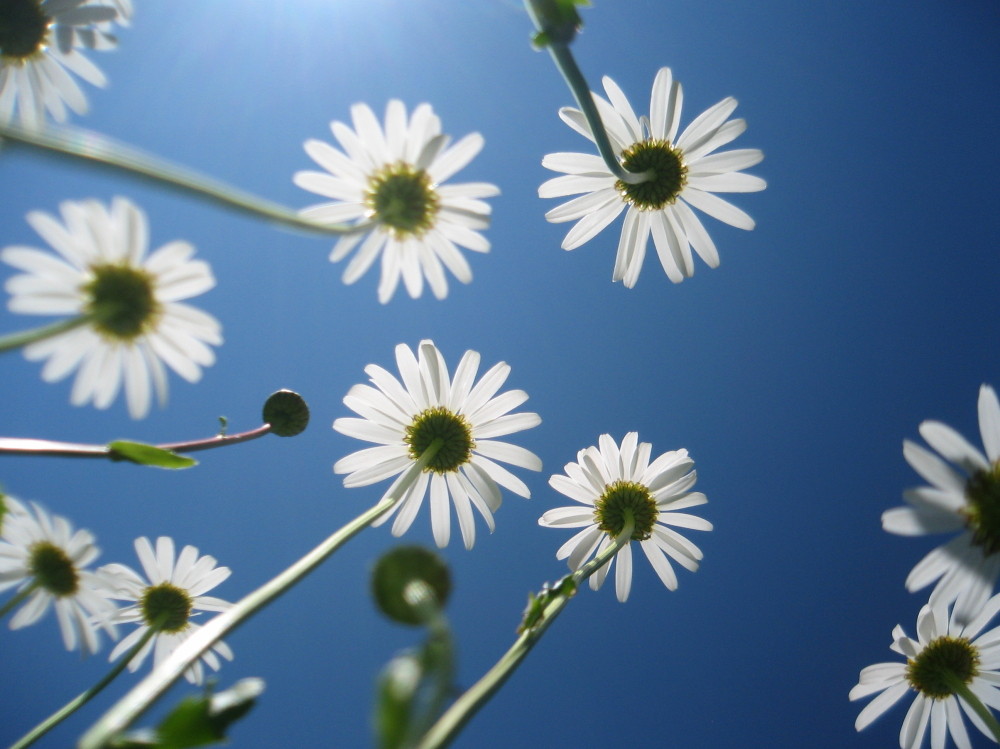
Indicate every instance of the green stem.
{"type": "Point", "coordinates": [28, 446]}
{"type": "Point", "coordinates": [11, 341]}
{"type": "Point", "coordinates": [451, 722]}
{"type": "Point", "coordinates": [570, 71]}
{"type": "Point", "coordinates": [142, 696]}
{"type": "Point", "coordinates": [83, 698]}
{"type": "Point", "coordinates": [105, 152]}
{"type": "Point", "coordinates": [20, 596]}
{"type": "Point", "coordinates": [962, 689]}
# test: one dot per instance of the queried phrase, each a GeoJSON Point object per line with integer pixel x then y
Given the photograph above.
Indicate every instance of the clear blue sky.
{"type": "Point", "coordinates": [864, 302]}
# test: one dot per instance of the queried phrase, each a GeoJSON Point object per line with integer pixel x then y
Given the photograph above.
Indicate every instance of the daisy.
{"type": "Point", "coordinates": [393, 177]}
{"type": "Point", "coordinates": [963, 498]}
{"type": "Point", "coordinates": [45, 558]}
{"type": "Point", "coordinates": [165, 601]}
{"type": "Point", "coordinates": [685, 174]}
{"type": "Point", "coordinates": [10, 508]}
{"type": "Point", "coordinates": [38, 40]}
{"type": "Point", "coordinates": [945, 649]}
{"type": "Point", "coordinates": [136, 322]}
{"type": "Point", "coordinates": [404, 418]}
{"type": "Point", "coordinates": [612, 482]}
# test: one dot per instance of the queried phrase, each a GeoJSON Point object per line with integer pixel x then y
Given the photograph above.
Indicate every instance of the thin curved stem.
{"type": "Point", "coordinates": [461, 711]}
{"type": "Point", "coordinates": [29, 446]}
{"type": "Point", "coordinates": [102, 151]}
{"type": "Point", "coordinates": [570, 71]}
{"type": "Point", "coordinates": [142, 696]}
{"type": "Point", "coordinates": [962, 689]}
{"type": "Point", "coordinates": [83, 698]}
{"type": "Point", "coordinates": [18, 597]}
{"type": "Point", "coordinates": [21, 338]}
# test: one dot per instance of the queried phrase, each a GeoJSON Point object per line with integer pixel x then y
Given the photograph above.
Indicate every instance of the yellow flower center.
{"type": "Point", "coordinates": [982, 515]}
{"type": "Point", "coordinates": [944, 659]}
{"type": "Point", "coordinates": [122, 302]}
{"type": "Point", "coordinates": [166, 608]}
{"type": "Point", "coordinates": [403, 199]}
{"type": "Point", "coordinates": [620, 499]}
{"type": "Point", "coordinates": [664, 162]}
{"type": "Point", "coordinates": [23, 27]}
{"type": "Point", "coordinates": [452, 429]}
{"type": "Point", "coordinates": [52, 569]}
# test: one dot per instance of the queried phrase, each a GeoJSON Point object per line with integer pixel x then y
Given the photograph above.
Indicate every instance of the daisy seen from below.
{"type": "Point", "coordinates": [405, 417]}
{"type": "Point", "coordinates": [135, 322]}
{"type": "Point", "coordinates": [45, 559]}
{"type": "Point", "coordinates": [165, 601]}
{"type": "Point", "coordinates": [964, 496]}
{"type": "Point", "coordinates": [685, 174]}
{"type": "Point", "coordinates": [38, 54]}
{"type": "Point", "coordinates": [394, 177]}
{"type": "Point", "coordinates": [946, 657]}
{"type": "Point", "coordinates": [611, 482]}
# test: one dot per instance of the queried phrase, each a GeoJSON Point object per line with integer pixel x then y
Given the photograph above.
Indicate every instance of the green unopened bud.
{"type": "Point", "coordinates": [557, 20]}
{"type": "Point", "coordinates": [287, 413]}
{"type": "Point", "coordinates": [406, 580]}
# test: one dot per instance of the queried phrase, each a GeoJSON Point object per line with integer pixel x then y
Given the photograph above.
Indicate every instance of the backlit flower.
{"type": "Point", "coordinates": [685, 173]}
{"type": "Point", "coordinates": [405, 418]}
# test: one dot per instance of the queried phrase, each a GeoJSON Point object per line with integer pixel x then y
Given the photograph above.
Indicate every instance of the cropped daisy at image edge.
{"type": "Point", "coordinates": [134, 321]}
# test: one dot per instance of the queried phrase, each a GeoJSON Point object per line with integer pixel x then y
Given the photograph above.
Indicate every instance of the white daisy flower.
{"type": "Point", "coordinates": [686, 175]}
{"type": "Point", "coordinates": [38, 40]}
{"type": "Point", "coordinates": [612, 482]}
{"type": "Point", "coordinates": [944, 649]}
{"type": "Point", "coordinates": [963, 498]}
{"type": "Point", "coordinates": [45, 558]}
{"type": "Point", "coordinates": [165, 601]}
{"type": "Point", "coordinates": [404, 418]}
{"type": "Point", "coordinates": [9, 508]}
{"type": "Point", "coordinates": [393, 176]}
{"type": "Point", "coordinates": [137, 322]}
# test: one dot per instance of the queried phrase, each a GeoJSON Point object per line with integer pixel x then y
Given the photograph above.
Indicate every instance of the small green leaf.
{"type": "Point", "coordinates": [148, 455]}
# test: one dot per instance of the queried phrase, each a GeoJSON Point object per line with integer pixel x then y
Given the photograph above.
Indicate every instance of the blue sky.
{"type": "Point", "coordinates": [863, 303]}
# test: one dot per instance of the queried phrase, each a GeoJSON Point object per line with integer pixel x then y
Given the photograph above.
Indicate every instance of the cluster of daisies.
{"type": "Point", "coordinates": [47, 564]}
{"type": "Point", "coordinates": [954, 653]}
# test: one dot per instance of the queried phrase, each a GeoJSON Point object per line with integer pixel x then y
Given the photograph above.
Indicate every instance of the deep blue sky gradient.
{"type": "Point", "coordinates": [864, 302]}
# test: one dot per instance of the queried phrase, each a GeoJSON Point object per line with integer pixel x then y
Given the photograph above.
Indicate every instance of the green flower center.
{"type": "Point", "coordinates": [621, 499]}
{"type": "Point", "coordinates": [52, 569]}
{"type": "Point", "coordinates": [982, 515]}
{"type": "Point", "coordinates": [403, 199]}
{"type": "Point", "coordinates": [166, 608]}
{"type": "Point", "coordinates": [122, 303]}
{"type": "Point", "coordinates": [668, 170]}
{"type": "Point", "coordinates": [23, 27]}
{"type": "Point", "coordinates": [452, 429]}
{"type": "Point", "coordinates": [943, 660]}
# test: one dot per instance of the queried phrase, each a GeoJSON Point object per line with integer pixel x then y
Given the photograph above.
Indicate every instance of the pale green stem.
{"type": "Point", "coordinates": [962, 689]}
{"type": "Point", "coordinates": [103, 151]}
{"type": "Point", "coordinates": [83, 698]}
{"type": "Point", "coordinates": [142, 696]}
{"type": "Point", "coordinates": [451, 722]}
{"type": "Point", "coordinates": [566, 64]}
{"type": "Point", "coordinates": [11, 341]}
{"type": "Point", "coordinates": [20, 596]}
{"type": "Point", "coordinates": [421, 596]}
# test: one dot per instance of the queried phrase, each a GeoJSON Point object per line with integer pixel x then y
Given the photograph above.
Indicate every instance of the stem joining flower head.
{"type": "Point", "coordinates": [122, 304]}
{"type": "Point", "coordinates": [53, 570]}
{"type": "Point", "coordinates": [166, 608]}
{"type": "Point", "coordinates": [452, 429]}
{"type": "Point", "coordinates": [403, 199]}
{"type": "Point", "coordinates": [664, 163]}
{"type": "Point", "coordinates": [983, 512]}
{"type": "Point", "coordinates": [621, 499]}
{"type": "Point", "coordinates": [944, 659]}
{"type": "Point", "coordinates": [23, 27]}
